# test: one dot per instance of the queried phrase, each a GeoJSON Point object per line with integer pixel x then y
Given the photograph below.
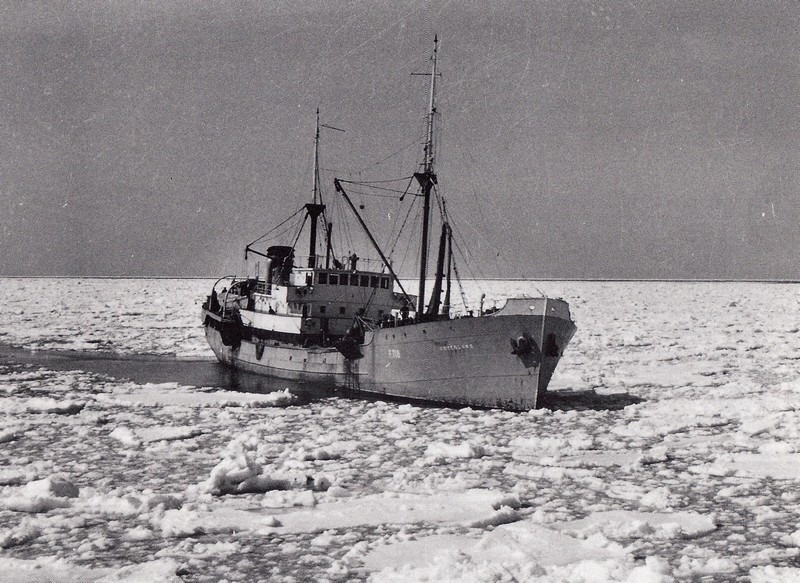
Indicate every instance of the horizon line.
{"type": "Point", "coordinates": [579, 279]}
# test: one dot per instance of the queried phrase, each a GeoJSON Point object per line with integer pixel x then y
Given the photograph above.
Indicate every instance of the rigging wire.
{"type": "Point", "coordinates": [415, 144]}
{"type": "Point", "coordinates": [299, 232]}
{"type": "Point", "coordinates": [460, 285]}
{"type": "Point", "coordinates": [398, 228]}
{"type": "Point", "coordinates": [402, 225]}
{"type": "Point", "coordinates": [362, 193]}
{"type": "Point", "coordinates": [400, 232]}
{"type": "Point", "coordinates": [265, 235]}
{"type": "Point", "coordinates": [348, 232]}
{"type": "Point", "coordinates": [464, 255]}
{"type": "Point", "coordinates": [393, 238]}
{"type": "Point", "coordinates": [370, 299]}
{"type": "Point", "coordinates": [367, 182]}
{"type": "Point", "coordinates": [471, 273]}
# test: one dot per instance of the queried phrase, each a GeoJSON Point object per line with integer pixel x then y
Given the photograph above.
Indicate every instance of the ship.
{"type": "Point", "coordinates": [350, 323]}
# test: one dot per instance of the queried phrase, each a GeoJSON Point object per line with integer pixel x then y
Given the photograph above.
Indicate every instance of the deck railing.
{"type": "Point", "coordinates": [347, 263]}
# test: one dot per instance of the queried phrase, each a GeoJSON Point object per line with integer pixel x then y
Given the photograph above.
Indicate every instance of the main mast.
{"type": "Point", "coordinates": [426, 179]}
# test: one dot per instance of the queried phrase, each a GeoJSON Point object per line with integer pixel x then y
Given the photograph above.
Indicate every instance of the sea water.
{"type": "Point", "coordinates": [669, 448]}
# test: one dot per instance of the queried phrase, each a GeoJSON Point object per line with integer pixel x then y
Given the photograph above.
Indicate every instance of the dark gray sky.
{"type": "Point", "coordinates": [651, 139]}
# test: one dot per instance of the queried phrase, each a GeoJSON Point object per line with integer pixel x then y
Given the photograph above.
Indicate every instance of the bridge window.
{"type": "Point", "coordinates": [354, 280]}
{"type": "Point", "coordinates": [365, 281]}
{"type": "Point", "coordinates": [322, 309]}
{"type": "Point", "coordinates": [342, 310]}
{"type": "Point", "coordinates": [373, 281]}
{"type": "Point", "coordinates": [333, 279]}
{"type": "Point", "coordinates": [322, 278]}
{"type": "Point", "coordinates": [385, 282]}
{"type": "Point", "coordinates": [343, 279]}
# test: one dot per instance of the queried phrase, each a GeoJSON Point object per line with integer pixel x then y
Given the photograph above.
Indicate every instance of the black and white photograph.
{"type": "Point", "coordinates": [400, 291]}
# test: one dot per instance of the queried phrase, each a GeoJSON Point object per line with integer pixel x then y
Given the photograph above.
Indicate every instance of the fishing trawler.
{"type": "Point", "coordinates": [351, 324]}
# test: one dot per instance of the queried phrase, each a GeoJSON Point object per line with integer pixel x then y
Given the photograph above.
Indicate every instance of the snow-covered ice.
{"type": "Point", "coordinates": [669, 450]}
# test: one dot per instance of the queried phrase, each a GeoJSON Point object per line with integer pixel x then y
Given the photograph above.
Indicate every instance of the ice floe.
{"type": "Point", "coordinates": [40, 495]}
{"type": "Point", "coordinates": [667, 451]}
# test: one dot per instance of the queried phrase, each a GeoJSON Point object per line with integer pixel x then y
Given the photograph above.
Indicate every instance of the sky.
{"type": "Point", "coordinates": [578, 139]}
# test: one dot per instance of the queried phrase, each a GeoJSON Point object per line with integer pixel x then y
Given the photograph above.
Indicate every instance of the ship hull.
{"type": "Point", "coordinates": [279, 360]}
{"type": "Point", "coordinates": [505, 360]}
{"type": "Point", "coordinates": [462, 362]}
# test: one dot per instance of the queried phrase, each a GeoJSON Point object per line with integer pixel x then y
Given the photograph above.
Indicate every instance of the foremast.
{"type": "Point", "coordinates": [427, 179]}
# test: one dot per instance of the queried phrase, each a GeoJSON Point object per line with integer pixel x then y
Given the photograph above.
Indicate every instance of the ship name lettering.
{"type": "Point", "coordinates": [451, 347]}
{"type": "Point", "coordinates": [394, 353]}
